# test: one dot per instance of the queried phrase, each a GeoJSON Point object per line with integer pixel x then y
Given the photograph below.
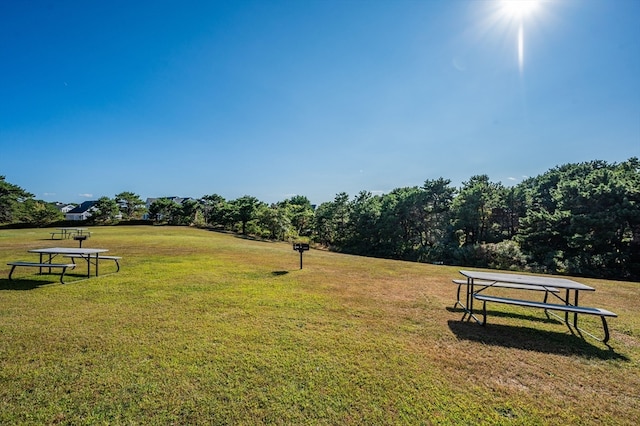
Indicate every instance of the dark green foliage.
{"type": "Point", "coordinates": [286, 220]}
{"type": "Point", "coordinates": [214, 208]}
{"type": "Point", "coordinates": [584, 219]}
{"type": "Point", "coordinates": [274, 221]}
{"type": "Point", "coordinates": [476, 211]}
{"type": "Point", "coordinates": [188, 212]}
{"type": "Point", "coordinates": [38, 213]}
{"type": "Point", "coordinates": [131, 205]}
{"type": "Point", "coordinates": [331, 222]}
{"type": "Point", "coordinates": [105, 210]}
{"type": "Point", "coordinates": [300, 214]}
{"type": "Point", "coordinates": [579, 219]}
{"type": "Point", "coordinates": [10, 198]}
{"type": "Point", "coordinates": [408, 223]}
{"type": "Point", "coordinates": [246, 210]}
{"type": "Point", "coordinates": [165, 210]}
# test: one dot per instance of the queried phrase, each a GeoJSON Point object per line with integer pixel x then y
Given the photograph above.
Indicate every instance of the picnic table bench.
{"type": "Point", "coordinates": [116, 259]}
{"type": "Point", "coordinates": [40, 265]}
{"type": "Point", "coordinates": [603, 313]}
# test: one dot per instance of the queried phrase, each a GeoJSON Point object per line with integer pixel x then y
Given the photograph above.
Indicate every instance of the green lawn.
{"type": "Point", "coordinates": [200, 327]}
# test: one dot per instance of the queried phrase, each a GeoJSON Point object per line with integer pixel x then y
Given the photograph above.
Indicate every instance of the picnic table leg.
{"type": "Point", "coordinates": [546, 297]}
{"type": "Point", "coordinates": [457, 296]}
{"type": "Point", "coordinates": [484, 313]}
{"type": "Point", "coordinates": [575, 314]}
{"type": "Point", "coordinates": [11, 271]}
{"type": "Point", "coordinates": [606, 330]}
{"type": "Point", "coordinates": [468, 292]}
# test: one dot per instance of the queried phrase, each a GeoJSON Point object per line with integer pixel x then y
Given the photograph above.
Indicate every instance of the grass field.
{"type": "Point", "coordinates": [200, 327]}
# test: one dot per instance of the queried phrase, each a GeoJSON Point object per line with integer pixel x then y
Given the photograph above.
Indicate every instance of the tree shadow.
{"type": "Point", "coordinates": [254, 238]}
{"type": "Point", "coordinates": [532, 339]}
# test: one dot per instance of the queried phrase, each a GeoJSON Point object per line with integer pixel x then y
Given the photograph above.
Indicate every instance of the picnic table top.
{"type": "Point", "coordinates": [543, 281]}
{"type": "Point", "coordinates": [68, 250]}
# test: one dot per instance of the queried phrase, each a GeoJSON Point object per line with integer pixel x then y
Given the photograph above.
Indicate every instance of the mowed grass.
{"type": "Point", "coordinates": [201, 327]}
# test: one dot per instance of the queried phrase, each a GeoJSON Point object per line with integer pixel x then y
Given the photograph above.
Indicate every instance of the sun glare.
{"type": "Point", "coordinates": [519, 8]}
{"type": "Point", "coordinates": [517, 11]}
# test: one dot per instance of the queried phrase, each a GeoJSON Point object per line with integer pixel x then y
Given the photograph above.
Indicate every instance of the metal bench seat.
{"type": "Point", "coordinates": [116, 259]}
{"type": "Point", "coordinates": [602, 313]}
{"type": "Point", "coordinates": [63, 266]}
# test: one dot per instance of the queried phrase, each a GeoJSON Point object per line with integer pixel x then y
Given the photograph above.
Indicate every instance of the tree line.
{"type": "Point", "coordinates": [578, 219]}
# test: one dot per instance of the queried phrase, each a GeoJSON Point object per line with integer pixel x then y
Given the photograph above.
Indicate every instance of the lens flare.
{"type": "Point", "coordinates": [516, 11]}
{"type": "Point", "coordinates": [521, 48]}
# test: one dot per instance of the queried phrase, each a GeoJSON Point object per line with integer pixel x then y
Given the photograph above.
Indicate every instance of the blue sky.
{"type": "Point", "coordinates": [278, 98]}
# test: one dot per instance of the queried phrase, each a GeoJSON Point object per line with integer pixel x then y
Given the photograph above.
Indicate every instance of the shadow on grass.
{"type": "Point", "coordinates": [24, 284]}
{"type": "Point", "coordinates": [503, 314]}
{"type": "Point", "coordinates": [30, 284]}
{"type": "Point", "coordinates": [532, 339]}
{"type": "Point", "coordinates": [278, 273]}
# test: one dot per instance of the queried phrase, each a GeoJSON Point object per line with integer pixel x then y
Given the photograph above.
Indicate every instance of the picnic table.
{"type": "Point", "coordinates": [479, 285]}
{"type": "Point", "coordinates": [68, 232]}
{"type": "Point", "coordinates": [88, 254]}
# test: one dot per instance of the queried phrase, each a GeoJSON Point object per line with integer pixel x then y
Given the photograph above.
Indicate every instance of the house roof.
{"type": "Point", "coordinates": [82, 208]}
{"type": "Point", "coordinates": [62, 206]}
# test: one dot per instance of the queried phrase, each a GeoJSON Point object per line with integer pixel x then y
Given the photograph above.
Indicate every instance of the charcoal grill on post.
{"type": "Point", "coordinates": [80, 239]}
{"type": "Point", "coordinates": [301, 247]}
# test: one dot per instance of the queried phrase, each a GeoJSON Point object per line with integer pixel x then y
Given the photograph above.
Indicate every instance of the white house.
{"type": "Point", "coordinates": [65, 208]}
{"type": "Point", "coordinates": [82, 212]}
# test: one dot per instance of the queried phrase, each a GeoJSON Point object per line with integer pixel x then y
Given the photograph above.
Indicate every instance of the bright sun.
{"type": "Point", "coordinates": [517, 11]}
{"type": "Point", "coordinates": [519, 8]}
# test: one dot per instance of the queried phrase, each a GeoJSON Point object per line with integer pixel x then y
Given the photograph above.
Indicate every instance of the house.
{"type": "Point", "coordinates": [64, 207]}
{"type": "Point", "coordinates": [82, 212]}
